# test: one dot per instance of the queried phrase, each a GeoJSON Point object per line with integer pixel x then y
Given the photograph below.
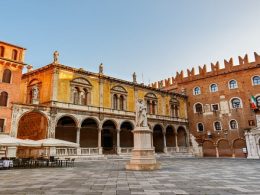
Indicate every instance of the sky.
{"type": "Point", "coordinates": [154, 38]}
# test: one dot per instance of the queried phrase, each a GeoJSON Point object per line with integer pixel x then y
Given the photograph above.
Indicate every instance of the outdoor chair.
{"type": "Point", "coordinates": [1, 164]}
{"type": "Point", "coordinates": [71, 162]}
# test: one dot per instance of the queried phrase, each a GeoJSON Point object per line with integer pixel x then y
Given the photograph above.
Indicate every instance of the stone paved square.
{"type": "Point", "coordinates": [108, 177]}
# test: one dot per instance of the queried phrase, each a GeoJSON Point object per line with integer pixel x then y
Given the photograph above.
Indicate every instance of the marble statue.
{"type": "Point", "coordinates": [141, 117]}
{"type": "Point", "coordinates": [35, 92]}
{"type": "Point", "coordinates": [55, 57]}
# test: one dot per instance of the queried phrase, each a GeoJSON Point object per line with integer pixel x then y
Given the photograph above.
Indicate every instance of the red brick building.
{"type": "Point", "coordinates": [219, 104]}
{"type": "Point", "coordinates": [11, 65]}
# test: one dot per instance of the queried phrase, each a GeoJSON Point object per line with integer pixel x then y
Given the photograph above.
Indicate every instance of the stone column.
{"type": "Point", "coordinates": [80, 96]}
{"type": "Point", "coordinates": [217, 153]}
{"type": "Point", "coordinates": [164, 143]}
{"type": "Point", "coordinates": [252, 146]}
{"type": "Point", "coordinates": [78, 141]}
{"type": "Point", "coordinates": [78, 135]}
{"type": "Point", "coordinates": [55, 79]}
{"type": "Point", "coordinates": [176, 141]}
{"type": "Point", "coordinates": [100, 151]}
{"type": "Point", "coordinates": [151, 107]}
{"type": "Point", "coordinates": [249, 152]}
{"type": "Point", "coordinates": [118, 142]}
{"type": "Point", "coordinates": [118, 101]}
{"type": "Point", "coordinates": [51, 126]}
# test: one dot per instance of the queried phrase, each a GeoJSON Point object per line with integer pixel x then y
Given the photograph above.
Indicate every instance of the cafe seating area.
{"type": "Point", "coordinates": [10, 163]}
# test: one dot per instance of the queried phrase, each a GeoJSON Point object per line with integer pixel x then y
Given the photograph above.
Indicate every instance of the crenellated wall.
{"type": "Point", "coordinates": [229, 67]}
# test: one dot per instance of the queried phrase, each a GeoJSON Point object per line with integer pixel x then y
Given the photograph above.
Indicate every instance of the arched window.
{"type": "Point", "coordinates": [121, 102]}
{"type": "Point", "coordinates": [217, 126]}
{"type": "Point", "coordinates": [2, 51]}
{"type": "Point", "coordinates": [196, 91]}
{"type": "Point", "coordinates": [198, 108]}
{"type": "Point", "coordinates": [115, 99]}
{"type": "Point", "coordinates": [232, 84]}
{"type": "Point", "coordinates": [14, 54]}
{"type": "Point", "coordinates": [7, 76]}
{"type": "Point", "coordinates": [258, 101]}
{"type": "Point", "coordinates": [80, 91]}
{"type": "Point", "coordinates": [76, 95]}
{"type": "Point", "coordinates": [151, 103]}
{"type": "Point", "coordinates": [174, 106]}
{"type": "Point", "coordinates": [233, 124]}
{"type": "Point", "coordinates": [119, 98]}
{"type": "Point", "coordinates": [213, 88]}
{"type": "Point", "coordinates": [200, 127]}
{"type": "Point", "coordinates": [3, 98]}
{"type": "Point", "coordinates": [256, 80]}
{"type": "Point", "coordinates": [85, 97]}
{"type": "Point", "coordinates": [236, 103]}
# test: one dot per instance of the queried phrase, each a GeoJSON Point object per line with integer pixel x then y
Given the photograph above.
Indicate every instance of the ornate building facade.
{"type": "Point", "coordinates": [219, 109]}
{"type": "Point", "coordinates": [96, 111]}
{"type": "Point", "coordinates": [11, 65]}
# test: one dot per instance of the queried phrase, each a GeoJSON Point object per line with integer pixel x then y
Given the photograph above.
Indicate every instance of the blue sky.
{"type": "Point", "coordinates": [155, 38]}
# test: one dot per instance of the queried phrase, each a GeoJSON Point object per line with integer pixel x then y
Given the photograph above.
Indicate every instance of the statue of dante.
{"type": "Point", "coordinates": [35, 92]}
{"type": "Point", "coordinates": [141, 117]}
{"type": "Point", "coordinates": [55, 57]}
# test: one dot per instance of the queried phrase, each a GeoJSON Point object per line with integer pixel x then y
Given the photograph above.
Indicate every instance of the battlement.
{"type": "Point", "coordinates": [229, 67]}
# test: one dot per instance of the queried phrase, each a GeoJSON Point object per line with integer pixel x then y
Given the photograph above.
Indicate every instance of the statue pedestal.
{"type": "Point", "coordinates": [143, 157]}
{"type": "Point", "coordinates": [35, 101]}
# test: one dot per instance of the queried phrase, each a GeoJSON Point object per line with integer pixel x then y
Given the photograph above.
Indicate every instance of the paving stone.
{"type": "Point", "coordinates": [108, 177]}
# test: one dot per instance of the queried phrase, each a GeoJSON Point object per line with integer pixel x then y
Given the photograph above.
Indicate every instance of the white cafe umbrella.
{"type": "Point", "coordinates": [51, 142]}
{"type": "Point", "coordinates": [29, 143]}
{"type": "Point", "coordinates": [6, 140]}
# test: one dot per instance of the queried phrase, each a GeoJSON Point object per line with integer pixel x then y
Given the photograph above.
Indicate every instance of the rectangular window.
{"type": "Point", "coordinates": [214, 107]}
{"type": "Point", "coordinates": [2, 122]}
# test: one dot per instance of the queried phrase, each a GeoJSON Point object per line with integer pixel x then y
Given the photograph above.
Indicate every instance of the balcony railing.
{"type": "Point", "coordinates": [126, 150]}
{"type": "Point", "coordinates": [89, 151]}
{"type": "Point", "coordinates": [112, 111]}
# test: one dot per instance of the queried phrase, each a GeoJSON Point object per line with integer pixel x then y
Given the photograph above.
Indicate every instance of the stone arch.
{"type": "Point", "coordinates": [89, 133]}
{"type": "Point", "coordinates": [32, 125]}
{"type": "Point", "coordinates": [224, 149]}
{"type": "Point", "coordinates": [170, 136]}
{"type": "Point", "coordinates": [209, 150]}
{"type": "Point", "coordinates": [238, 145]}
{"type": "Point", "coordinates": [109, 136]}
{"type": "Point", "coordinates": [158, 139]}
{"type": "Point", "coordinates": [182, 136]}
{"type": "Point", "coordinates": [66, 128]}
{"type": "Point", "coordinates": [68, 115]}
{"type": "Point", "coordinates": [112, 120]}
{"type": "Point", "coordinates": [126, 134]}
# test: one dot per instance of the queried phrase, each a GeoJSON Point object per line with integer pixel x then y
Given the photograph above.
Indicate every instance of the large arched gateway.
{"type": "Point", "coordinates": [32, 125]}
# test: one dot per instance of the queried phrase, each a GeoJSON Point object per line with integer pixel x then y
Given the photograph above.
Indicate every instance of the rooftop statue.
{"type": "Point", "coordinates": [55, 57]}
